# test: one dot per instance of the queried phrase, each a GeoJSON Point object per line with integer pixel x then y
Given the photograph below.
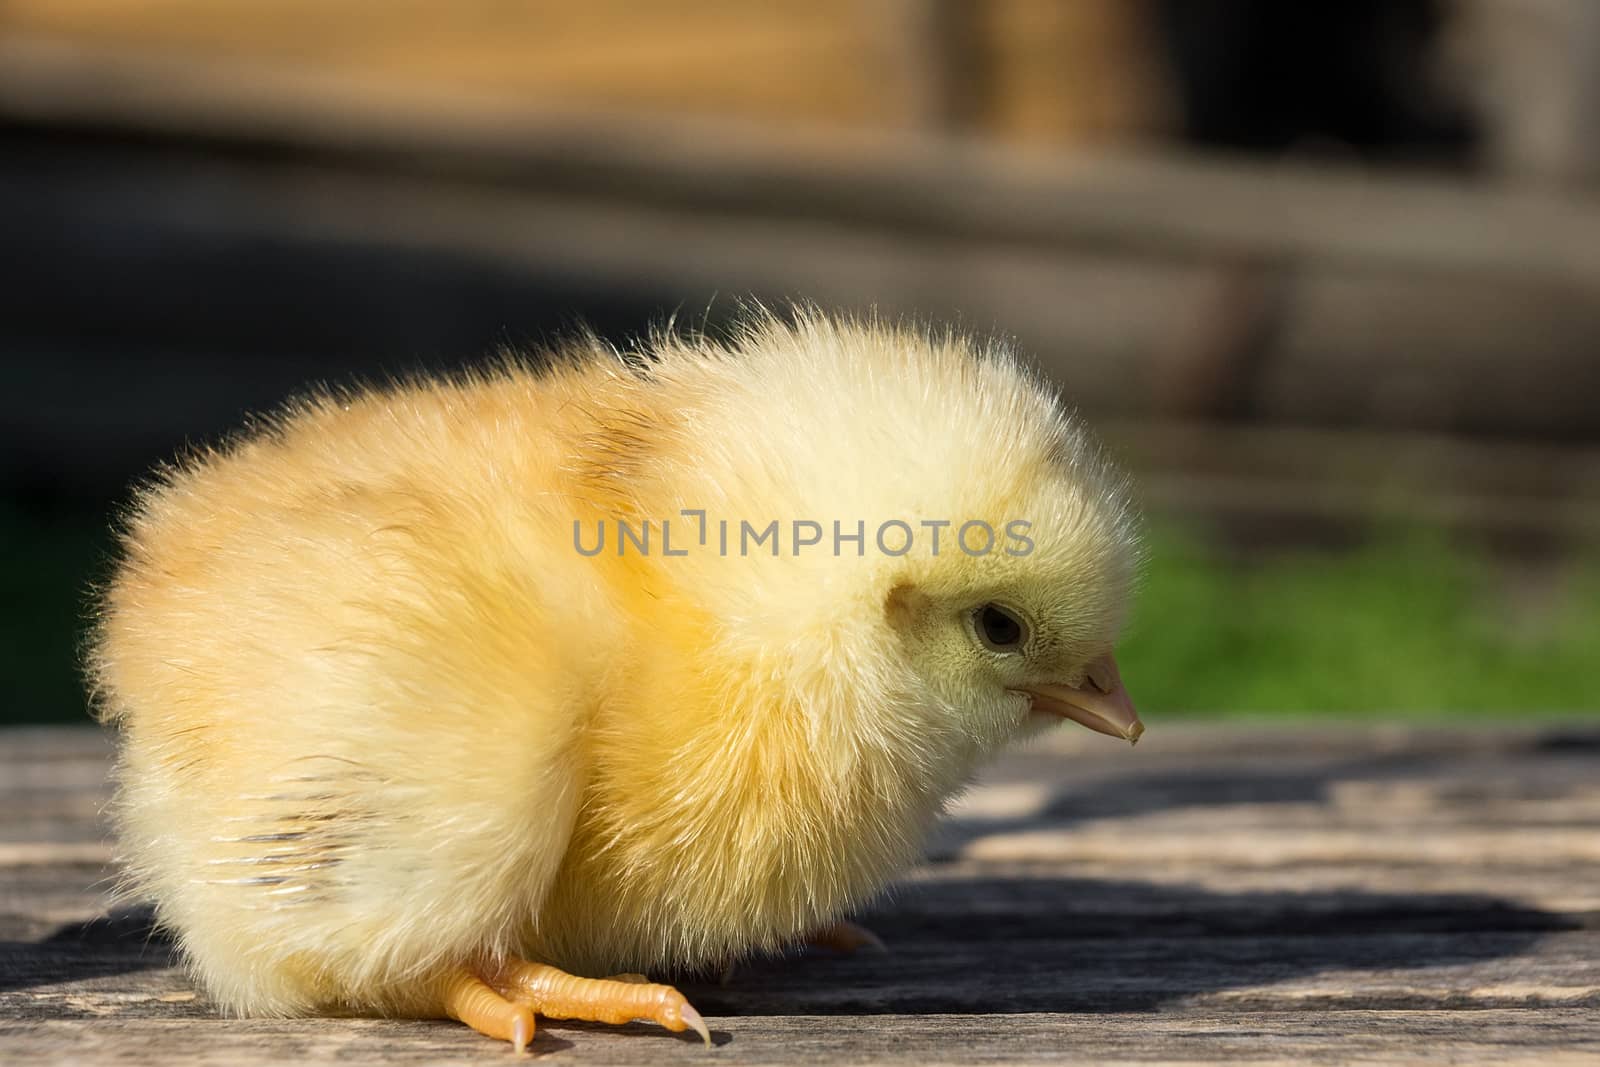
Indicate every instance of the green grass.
{"type": "Point", "coordinates": [46, 566]}
{"type": "Point", "coordinates": [1410, 624]}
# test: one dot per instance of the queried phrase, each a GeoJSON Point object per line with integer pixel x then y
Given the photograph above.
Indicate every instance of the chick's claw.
{"type": "Point", "coordinates": [554, 993]}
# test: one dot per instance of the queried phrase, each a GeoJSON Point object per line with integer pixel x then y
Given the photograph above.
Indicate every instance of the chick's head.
{"type": "Point", "coordinates": [988, 549]}
{"type": "Point", "coordinates": [1011, 641]}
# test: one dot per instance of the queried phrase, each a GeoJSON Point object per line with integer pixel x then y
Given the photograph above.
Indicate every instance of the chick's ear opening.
{"type": "Point", "coordinates": [904, 606]}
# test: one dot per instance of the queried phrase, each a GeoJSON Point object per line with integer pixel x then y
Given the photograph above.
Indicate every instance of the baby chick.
{"type": "Point", "coordinates": [399, 738]}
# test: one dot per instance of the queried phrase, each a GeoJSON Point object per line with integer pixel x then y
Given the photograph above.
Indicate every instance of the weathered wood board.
{"type": "Point", "coordinates": [1225, 892]}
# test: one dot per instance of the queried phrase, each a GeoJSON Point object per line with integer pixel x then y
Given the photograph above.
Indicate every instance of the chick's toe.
{"type": "Point", "coordinates": [466, 997]}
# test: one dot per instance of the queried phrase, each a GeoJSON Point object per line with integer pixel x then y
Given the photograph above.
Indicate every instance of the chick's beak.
{"type": "Point", "coordinates": [1101, 703]}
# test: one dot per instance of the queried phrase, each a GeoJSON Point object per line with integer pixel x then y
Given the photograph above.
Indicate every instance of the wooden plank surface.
{"type": "Point", "coordinates": [1225, 892]}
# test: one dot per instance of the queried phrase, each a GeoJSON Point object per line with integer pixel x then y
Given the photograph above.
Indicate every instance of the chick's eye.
{"type": "Point", "coordinates": [999, 629]}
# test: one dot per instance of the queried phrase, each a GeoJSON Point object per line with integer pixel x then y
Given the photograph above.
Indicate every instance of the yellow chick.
{"type": "Point", "coordinates": [436, 697]}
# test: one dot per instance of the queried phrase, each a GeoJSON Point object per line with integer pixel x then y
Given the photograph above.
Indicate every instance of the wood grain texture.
{"type": "Point", "coordinates": [1223, 893]}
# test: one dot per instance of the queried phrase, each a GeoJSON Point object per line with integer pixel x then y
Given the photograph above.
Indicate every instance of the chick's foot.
{"type": "Point", "coordinates": [846, 937]}
{"type": "Point", "coordinates": [621, 998]}
{"type": "Point", "coordinates": [502, 1001]}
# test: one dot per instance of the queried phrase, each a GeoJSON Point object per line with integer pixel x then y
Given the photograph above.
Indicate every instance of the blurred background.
{"type": "Point", "coordinates": [1323, 274]}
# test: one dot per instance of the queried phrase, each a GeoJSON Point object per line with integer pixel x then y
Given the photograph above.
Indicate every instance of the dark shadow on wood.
{"type": "Point", "coordinates": [123, 942]}
{"type": "Point", "coordinates": [1008, 945]}
{"type": "Point", "coordinates": [993, 945]}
